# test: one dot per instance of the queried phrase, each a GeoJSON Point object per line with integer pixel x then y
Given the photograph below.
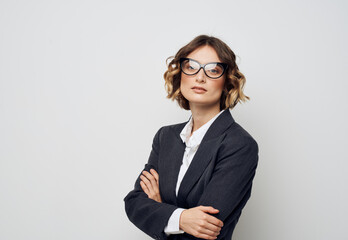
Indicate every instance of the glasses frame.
{"type": "Point", "coordinates": [224, 67]}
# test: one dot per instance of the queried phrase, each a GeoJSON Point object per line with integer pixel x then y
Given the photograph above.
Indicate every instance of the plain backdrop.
{"type": "Point", "coordinates": [82, 96]}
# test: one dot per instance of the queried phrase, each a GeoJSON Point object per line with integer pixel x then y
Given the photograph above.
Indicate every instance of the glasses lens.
{"type": "Point", "coordinates": [214, 70]}
{"type": "Point", "coordinates": [189, 66]}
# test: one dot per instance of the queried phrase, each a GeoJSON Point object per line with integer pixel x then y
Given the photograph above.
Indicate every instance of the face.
{"type": "Point", "coordinates": [212, 88]}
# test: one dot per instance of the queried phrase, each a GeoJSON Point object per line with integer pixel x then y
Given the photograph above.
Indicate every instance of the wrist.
{"type": "Point", "coordinates": [181, 219]}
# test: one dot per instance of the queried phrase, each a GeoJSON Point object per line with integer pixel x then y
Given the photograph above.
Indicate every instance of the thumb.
{"type": "Point", "coordinates": [208, 209]}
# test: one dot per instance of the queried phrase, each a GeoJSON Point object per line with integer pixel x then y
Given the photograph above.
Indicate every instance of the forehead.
{"type": "Point", "coordinates": [204, 54]}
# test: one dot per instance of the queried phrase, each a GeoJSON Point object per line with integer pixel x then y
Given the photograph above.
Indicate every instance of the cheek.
{"type": "Point", "coordinates": [184, 80]}
{"type": "Point", "coordinates": [183, 77]}
{"type": "Point", "coordinates": [219, 85]}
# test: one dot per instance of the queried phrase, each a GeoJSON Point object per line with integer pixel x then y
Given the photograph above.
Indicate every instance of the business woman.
{"type": "Point", "coordinates": [199, 173]}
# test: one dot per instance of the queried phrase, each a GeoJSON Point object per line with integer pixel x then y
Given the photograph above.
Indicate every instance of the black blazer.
{"type": "Point", "coordinates": [220, 175]}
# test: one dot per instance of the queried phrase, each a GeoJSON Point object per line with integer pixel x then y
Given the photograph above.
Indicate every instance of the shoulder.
{"type": "Point", "coordinates": [170, 129]}
{"type": "Point", "coordinates": [237, 138]}
{"type": "Point", "coordinates": [237, 133]}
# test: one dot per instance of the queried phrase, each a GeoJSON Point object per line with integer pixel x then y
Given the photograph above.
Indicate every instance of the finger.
{"type": "Point", "coordinates": [210, 229]}
{"type": "Point", "coordinates": [146, 182]}
{"type": "Point", "coordinates": [150, 177]}
{"type": "Point", "coordinates": [155, 174]}
{"type": "Point", "coordinates": [215, 221]}
{"type": "Point", "coordinates": [153, 191]}
{"type": "Point", "coordinates": [210, 218]}
{"type": "Point", "coordinates": [144, 187]}
{"type": "Point", "coordinates": [154, 188]}
{"type": "Point", "coordinates": [209, 209]}
{"type": "Point", "coordinates": [147, 185]}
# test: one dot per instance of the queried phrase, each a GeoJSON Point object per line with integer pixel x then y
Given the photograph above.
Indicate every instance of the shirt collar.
{"type": "Point", "coordinates": [197, 135]}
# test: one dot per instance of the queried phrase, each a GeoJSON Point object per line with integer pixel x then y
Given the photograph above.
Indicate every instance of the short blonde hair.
{"type": "Point", "coordinates": [234, 79]}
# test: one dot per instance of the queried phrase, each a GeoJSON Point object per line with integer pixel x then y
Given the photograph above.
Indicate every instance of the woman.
{"type": "Point", "coordinates": [199, 174]}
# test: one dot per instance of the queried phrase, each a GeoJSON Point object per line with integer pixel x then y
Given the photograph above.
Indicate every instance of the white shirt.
{"type": "Point", "coordinates": [192, 143]}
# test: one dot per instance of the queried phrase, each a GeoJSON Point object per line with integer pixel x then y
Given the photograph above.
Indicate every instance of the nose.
{"type": "Point", "coordinates": [200, 76]}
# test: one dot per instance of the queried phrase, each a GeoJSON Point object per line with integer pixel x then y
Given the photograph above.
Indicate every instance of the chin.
{"type": "Point", "coordinates": [197, 100]}
{"type": "Point", "coordinates": [203, 103]}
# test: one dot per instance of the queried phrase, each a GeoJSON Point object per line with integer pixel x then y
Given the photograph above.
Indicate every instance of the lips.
{"type": "Point", "coordinates": [199, 88]}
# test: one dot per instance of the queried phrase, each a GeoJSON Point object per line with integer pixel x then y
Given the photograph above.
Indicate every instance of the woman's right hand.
{"type": "Point", "coordinates": [197, 222]}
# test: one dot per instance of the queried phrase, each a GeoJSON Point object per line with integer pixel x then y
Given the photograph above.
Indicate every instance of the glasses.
{"type": "Point", "coordinates": [212, 70]}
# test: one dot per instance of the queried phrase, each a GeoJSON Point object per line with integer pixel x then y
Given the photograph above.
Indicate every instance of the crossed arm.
{"type": "Point", "coordinates": [195, 221]}
{"type": "Point", "coordinates": [234, 170]}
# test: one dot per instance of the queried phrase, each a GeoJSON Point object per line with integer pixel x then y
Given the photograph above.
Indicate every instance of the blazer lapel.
{"type": "Point", "coordinates": [204, 154]}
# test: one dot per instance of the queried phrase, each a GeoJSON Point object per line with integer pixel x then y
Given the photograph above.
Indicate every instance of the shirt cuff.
{"type": "Point", "coordinates": [173, 223]}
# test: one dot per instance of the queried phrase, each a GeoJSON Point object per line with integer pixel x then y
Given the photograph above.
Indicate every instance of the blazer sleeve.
{"type": "Point", "coordinates": [230, 185]}
{"type": "Point", "coordinates": [148, 215]}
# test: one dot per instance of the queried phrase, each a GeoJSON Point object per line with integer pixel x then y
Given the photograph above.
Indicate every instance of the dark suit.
{"type": "Point", "coordinates": [220, 175]}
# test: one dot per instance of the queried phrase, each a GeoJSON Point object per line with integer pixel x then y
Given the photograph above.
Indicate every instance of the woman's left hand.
{"type": "Point", "coordinates": [150, 184]}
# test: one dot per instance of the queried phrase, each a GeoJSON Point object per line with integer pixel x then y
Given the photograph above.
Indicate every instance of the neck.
{"type": "Point", "coordinates": [202, 114]}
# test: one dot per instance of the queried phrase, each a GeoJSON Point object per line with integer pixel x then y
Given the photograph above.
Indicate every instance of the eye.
{"type": "Point", "coordinates": [214, 69]}
{"type": "Point", "coordinates": [190, 65]}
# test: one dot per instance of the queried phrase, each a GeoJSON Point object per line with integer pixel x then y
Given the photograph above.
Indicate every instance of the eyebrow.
{"type": "Point", "coordinates": [202, 63]}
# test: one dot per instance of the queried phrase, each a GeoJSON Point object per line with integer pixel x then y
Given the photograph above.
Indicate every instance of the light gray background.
{"type": "Point", "coordinates": [82, 95]}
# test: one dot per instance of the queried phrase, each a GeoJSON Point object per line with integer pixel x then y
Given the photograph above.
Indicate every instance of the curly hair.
{"type": "Point", "coordinates": [234, 80]}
